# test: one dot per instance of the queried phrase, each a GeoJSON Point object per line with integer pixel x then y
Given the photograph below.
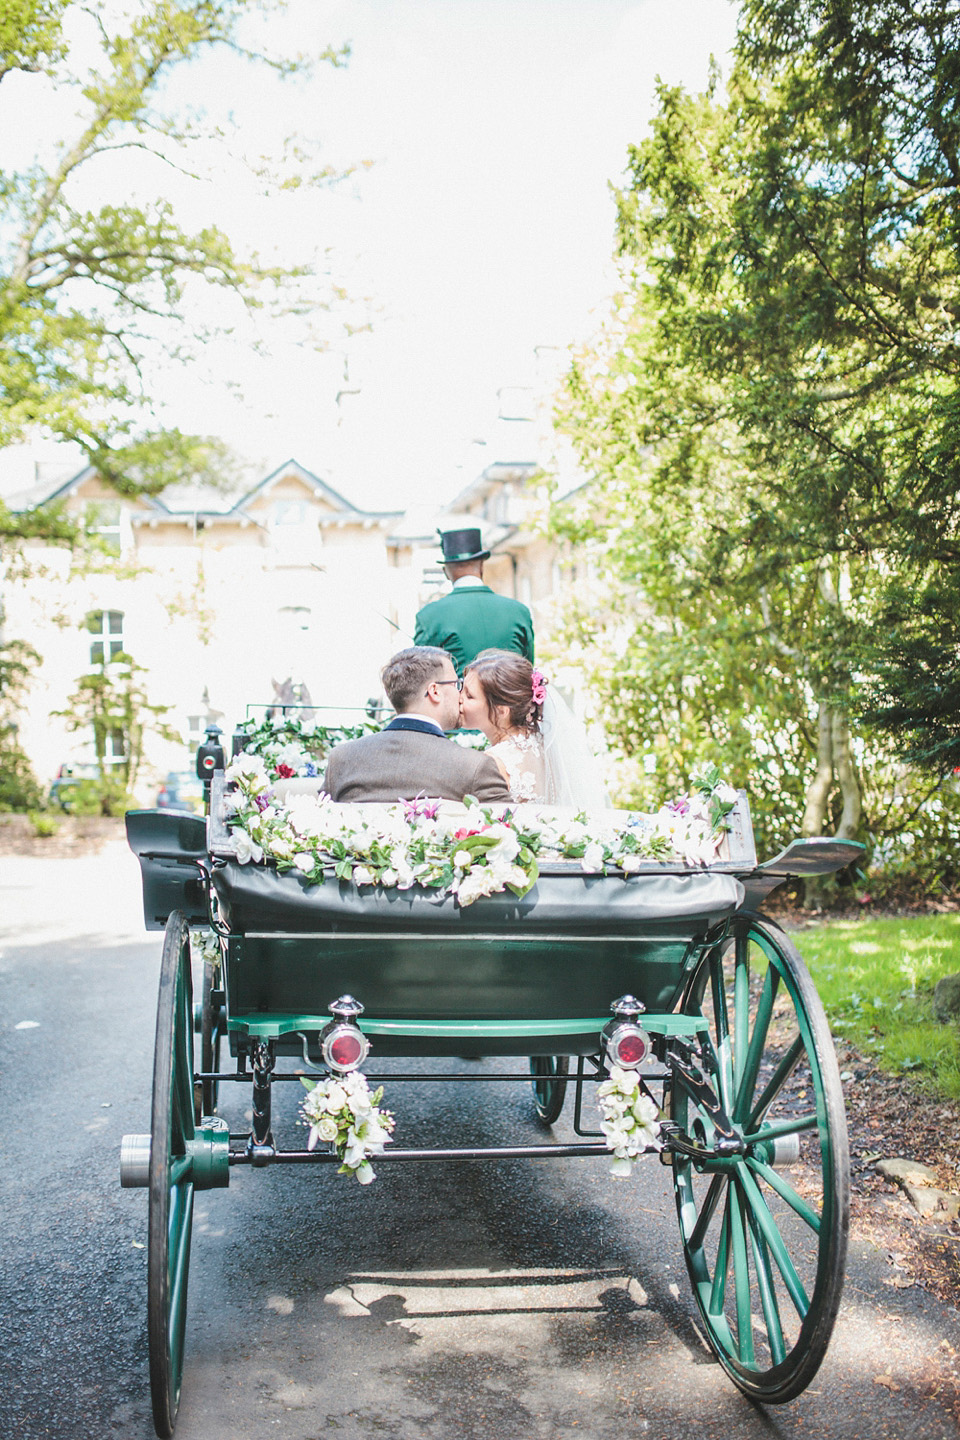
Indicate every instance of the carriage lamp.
{"type": "Point", "coordinates": [343, 1045]}
{"type": "Point", "coordinates": [625, 1042]}
{"type": "Point", "coordinates": [210, 755]}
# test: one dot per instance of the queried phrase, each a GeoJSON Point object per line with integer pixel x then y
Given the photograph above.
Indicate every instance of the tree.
{"type": "Point", "coordinates": [772, 416]}
{"type": "Point", "coordinates": [18, 784]}
{"type": "Point", "coordinates": [112, 703]}
{"type": "Point", "coordinates": [90, 292]}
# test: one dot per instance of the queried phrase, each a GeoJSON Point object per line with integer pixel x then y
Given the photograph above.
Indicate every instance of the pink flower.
{"type": "Point", "coordinates": [420, 806]}
{"type": "Point", "coordinates": [538, 684]}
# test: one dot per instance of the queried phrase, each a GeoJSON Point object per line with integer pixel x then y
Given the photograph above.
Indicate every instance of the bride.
{"type": "Point", "coordinates": [540, 747]}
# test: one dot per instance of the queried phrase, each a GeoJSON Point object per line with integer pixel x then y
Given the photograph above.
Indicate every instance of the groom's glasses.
{"type": "Point", "coordinates": [458, 683]}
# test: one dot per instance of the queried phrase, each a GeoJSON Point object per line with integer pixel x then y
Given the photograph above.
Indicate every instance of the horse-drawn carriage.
{"type": "Point", "coordinates": [663, 986]}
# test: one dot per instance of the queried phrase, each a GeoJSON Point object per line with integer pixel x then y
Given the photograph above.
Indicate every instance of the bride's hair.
{"type": "Point", "coordinates": [507, 679]}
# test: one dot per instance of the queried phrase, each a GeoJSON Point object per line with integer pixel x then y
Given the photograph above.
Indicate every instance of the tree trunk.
{"type": "Point", "coordinates": [815, 811]}
{"type": "Point", "coordinates": [848, 778]}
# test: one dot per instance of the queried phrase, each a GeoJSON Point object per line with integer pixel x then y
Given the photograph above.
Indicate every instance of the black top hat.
{"type": "Point", "coordinates": [461, 545]}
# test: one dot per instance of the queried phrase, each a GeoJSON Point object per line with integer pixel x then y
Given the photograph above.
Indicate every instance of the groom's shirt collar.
{"type": "Point", "coordinates": [468, 582]}
{"type": "Point", "coordinates": [416, 722]}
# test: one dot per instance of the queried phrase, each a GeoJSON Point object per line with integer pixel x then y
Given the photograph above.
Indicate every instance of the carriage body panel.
{"type": "Point", "coordinates": [562, 953]}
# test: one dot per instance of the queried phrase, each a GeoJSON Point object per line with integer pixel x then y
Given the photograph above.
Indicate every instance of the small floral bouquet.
{"type": "Point", "coordinates": [630, 1120]}
{"type": "Point", "coordinates": [345, 1113]}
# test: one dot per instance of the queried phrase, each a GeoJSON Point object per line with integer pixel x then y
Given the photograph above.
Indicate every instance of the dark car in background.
{"type": "Point", "coordinates": [181, 790]}
{"type": "Point", "coordinates": [69, 776]}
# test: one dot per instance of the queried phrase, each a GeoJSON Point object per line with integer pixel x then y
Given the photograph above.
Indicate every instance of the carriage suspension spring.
{"type": "Point", "coordinates": [260, 1146]}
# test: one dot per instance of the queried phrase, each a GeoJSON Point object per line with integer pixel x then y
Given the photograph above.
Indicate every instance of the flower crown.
{"type": "Point", "coordinates": [538, 686]}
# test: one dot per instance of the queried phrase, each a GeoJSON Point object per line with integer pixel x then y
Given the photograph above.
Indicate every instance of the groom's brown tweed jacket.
{"type": "Point", "coordinates": [401, 763]}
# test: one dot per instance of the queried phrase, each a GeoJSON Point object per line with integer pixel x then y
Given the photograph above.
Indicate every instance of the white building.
{"type": "Point", "coordinates": [224, 602]}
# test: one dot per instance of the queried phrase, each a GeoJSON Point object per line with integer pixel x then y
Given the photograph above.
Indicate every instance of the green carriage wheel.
{"type": "Point", "coordinates": [171, 1182]}
{"type": "Point", "coordinates": [549, 1085]}
{"type": "Point", "coordinates": [210, 1034]}
{"type": "Point", "coordinates": [765, 1232]}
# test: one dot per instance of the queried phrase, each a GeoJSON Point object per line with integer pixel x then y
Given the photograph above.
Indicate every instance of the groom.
{"type": "Point", "coordinates": [412, 755]}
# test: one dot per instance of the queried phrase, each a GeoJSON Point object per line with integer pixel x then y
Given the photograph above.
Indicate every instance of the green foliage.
{"type": "Point", "coordinates": [107, 796]}
{"type": "Point", "coordinates": [771, 420]}
{"type": "Point", "coordinates": [112, 704]}
{"type": "Point", "coordinates": [305, 740]}
{"type": "Point", "coordinates": [876, 979]}
{"type": "Point", "coordinates": [18, 784]}
{"type": "Point", "coordinates": [44, 825]}
{"type": "Point", "coordinates": [90, 295]}
{"type": "Point", "coordinates": [914, 686]}
{"type": "Point", "coordinates": [30, 34]}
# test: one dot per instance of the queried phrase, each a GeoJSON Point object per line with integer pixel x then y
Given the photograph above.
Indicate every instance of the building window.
{"type": "Point", "coordinates": [115, 751]}
{"type": "Point", "coordinates": [289, 512]}
{"type": "Point", "coordinates": [294, 619]}
{"type": "Point", "coordinates": [107, 627]}
{"type": "Point", "coordinates": [103, 520]}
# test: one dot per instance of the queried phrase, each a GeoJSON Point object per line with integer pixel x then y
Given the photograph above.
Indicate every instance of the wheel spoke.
{"type": "Point", "coordinates": [758, 1040]}
{"type": "Point", "coordinates": [768, 1295]}
{"type": "Point", "coordinates": [722, 1022]}
{"type": "Point", "coordinates": [776, 1081]}
{"type": "Point", "coordinates": [768, 1227]}
{"type": "Point", "coordinates": [741, 1278]}
{"type": "Point", "coordinates": [786, 1192]}
{"type": "Point", "coordinates": [741, 1013]}
{"type": "Point", "coordinates": [794, 1126]}
{"type": "Point", "coordinates": [719, 1287]}
{"type": "Point", "coordinates": [181, 1215]}
{"type": "Point", "coordinates": [706, 1211]}
{"type": "Point", "coordinates": [180, 1170]}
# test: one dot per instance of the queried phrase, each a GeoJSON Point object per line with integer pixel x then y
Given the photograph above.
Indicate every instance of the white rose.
{"type": "Point", "coordinates": [304, 861]}
{"type": "Point", "coordinates": [592, 860]}
{"type": "Point", "coordinates": [247, 848]}
{"type": "Point", "coordinates": [327, 1129]}
{"type": "Point", "coordinates": [363, 876]}
{"type": "Point", "coordinates": [336, 1098]}
{"type": "Point", "coordinates": [461, 859]}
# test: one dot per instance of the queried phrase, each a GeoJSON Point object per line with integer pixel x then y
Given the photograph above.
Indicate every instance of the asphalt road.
{"type": "Point", "coordinates": [540, 1299]}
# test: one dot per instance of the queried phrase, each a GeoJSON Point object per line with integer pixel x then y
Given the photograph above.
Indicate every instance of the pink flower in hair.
{"type": "Point", "coordinates": [538, 684]}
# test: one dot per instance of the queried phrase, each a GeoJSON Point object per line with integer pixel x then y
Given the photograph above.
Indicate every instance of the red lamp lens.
{"type": "Point", "coordinates": [630, 1049]}
{"type": "Point", "coordinates": [346, 1049]}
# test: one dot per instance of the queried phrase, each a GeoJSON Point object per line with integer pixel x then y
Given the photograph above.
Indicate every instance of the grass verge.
{"type": "Point", "coordinates": [876, 980]}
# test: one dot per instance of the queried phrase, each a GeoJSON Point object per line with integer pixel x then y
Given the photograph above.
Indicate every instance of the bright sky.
{"type": "Point", "coordinates": [480, 234]}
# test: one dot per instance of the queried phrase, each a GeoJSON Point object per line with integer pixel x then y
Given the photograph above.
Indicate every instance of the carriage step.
{"type": "Point", "coordinates": [275, 1025]}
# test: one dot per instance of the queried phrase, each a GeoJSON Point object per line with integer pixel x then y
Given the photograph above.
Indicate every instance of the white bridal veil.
{"type": "Point", "coordinates": [572, 772]}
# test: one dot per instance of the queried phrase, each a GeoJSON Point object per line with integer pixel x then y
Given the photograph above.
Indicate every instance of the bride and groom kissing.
{"type": "Point", "coordinates": [538, 751]}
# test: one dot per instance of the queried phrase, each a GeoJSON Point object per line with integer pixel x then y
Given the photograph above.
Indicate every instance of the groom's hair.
{"type": "Point", "coordinates": [406, 676]}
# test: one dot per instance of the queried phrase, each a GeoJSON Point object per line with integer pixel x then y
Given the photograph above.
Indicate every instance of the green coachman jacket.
{"type": "Point", "coordinates": [472, 619]}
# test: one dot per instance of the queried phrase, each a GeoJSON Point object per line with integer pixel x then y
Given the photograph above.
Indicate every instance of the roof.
{"type": "Point", "coordinates": [192, 502]}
